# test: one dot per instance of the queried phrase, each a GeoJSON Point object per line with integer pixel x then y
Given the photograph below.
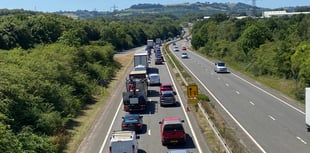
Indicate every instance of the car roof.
{"type": "Point", "coordinates": [166, 92]}
{"type": "Point", "coordinates": [166, 84]}
{"type": "Point", "coordinates": [153, 74]}
{"type": "Point", "coordinates": [178, 151]}
{"type": "Point", "coordinates": [172, 120]}
{"type": "Point", "coordinates": [131, 115]}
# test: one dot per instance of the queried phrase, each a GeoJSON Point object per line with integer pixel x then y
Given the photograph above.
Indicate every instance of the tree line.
{"type": "Point", "coordinates": [51, 66]}
{"type": "Point", "coordinates": [277, 46]}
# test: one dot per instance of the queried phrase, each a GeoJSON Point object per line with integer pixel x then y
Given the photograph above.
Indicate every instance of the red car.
{"type": "Point", "coordinates": [166, 87]}
{"type": "Point", "coordinates": [172, 131]}
{"type": "Point", "coordinates": [184, 48]}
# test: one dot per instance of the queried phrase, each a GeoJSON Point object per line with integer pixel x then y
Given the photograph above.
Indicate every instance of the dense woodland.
{"type": "Point", "coordinates": [51, 67]}
{"type": "Point", "coordinates": [277, 46]}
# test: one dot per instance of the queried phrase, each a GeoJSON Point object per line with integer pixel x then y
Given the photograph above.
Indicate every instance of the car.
{"type": "Point", "coordinates": [178, 151]}
{"type": "Point", "coordinates": [220, 67]}
{"type": "Point", "coordinates": [124, 141]}
{"type": "Point", "coordinates": [175, 48]}
{"type": "Point", "coordinates": [153, 79]}
{"type": "Point", "coordinates": [174, 43]}
{"type": "Point", "coordinates": [167, 98]}
{"type": "Point", "coordinates": [165, 87]}
{"type": "Point", "coordinates": [184, 55]}
{"type": "Point", "coordinates": [132, 122]}
{"type": "Point", "coordinates": [158, 60]}
{"type": "Point", "coordinates": [172, 131]}
{"type": "Point", "coordinates": [184, 48]}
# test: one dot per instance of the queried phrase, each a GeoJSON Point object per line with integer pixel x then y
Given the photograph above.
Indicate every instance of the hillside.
{"type": "Point", "coordinates": [177, 10]}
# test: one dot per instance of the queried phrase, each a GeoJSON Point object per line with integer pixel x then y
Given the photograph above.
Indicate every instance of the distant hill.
{"type": "Point", "coordinates": [177, 10]}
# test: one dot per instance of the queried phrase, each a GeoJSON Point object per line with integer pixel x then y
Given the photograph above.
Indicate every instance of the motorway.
{"type": "Point", "coordinates": [97, 141]}
{"type": "Point", "coordinates": [265, 117]}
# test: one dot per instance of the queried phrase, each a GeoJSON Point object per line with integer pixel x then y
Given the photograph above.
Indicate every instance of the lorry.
{"type": "Point", "coordinates": [150, 43]}
{"type": "Point", "coordinates": [135, 96]}
{"type": "Point", "coordinates": [141, 59]}
{"type": "Point", "coordinates": [307, 108]}
{"type": "Point", "coordinates": [123, 141]}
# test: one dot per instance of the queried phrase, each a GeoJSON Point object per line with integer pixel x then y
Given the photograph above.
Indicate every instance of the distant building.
{"type": "Point", "coordinates": [268, 14]}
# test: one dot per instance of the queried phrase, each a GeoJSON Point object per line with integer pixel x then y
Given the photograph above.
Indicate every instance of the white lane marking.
{"type": "Point", "coordinates": [226, 84]}
{"type": "Point", "coordinates": [110, 128]}
{"type": "Point", "coordinates": [225, 109]}
{"type": "Point", "coordinates": [252, 103]}
{"type": "Point", "coordinates": [149, 132]}
{"type": "Point", "coordinates": [303, 141]}
{"type": "Point", "coordinates": [237, 92]}
{"type": "Point", "coordinates": [185, 113]}
{"type": "Point", "coordinates": [271, 117]}
{"type": "Point", "coordinates": [289, 105]}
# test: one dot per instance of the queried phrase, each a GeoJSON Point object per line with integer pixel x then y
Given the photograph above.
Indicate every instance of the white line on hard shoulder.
{"type": "Point", "coordinates": [110, 128]}
{"type": "Point", "coordinates": [252, 103]}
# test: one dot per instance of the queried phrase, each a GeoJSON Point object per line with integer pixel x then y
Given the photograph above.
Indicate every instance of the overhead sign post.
{"type": "Point", "coordinates": [192, 92]}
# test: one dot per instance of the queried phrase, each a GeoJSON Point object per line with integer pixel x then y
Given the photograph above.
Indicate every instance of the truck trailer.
{"type": "Point", "coordinates": [141, 59]}
{"type": "Point", "coordinates": [307, 108]}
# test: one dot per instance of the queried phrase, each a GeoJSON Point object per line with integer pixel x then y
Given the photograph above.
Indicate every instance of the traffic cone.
{"type": "Point", "coordinates": [187, 108]}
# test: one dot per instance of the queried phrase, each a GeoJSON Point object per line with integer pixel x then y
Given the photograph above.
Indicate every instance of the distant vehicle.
{"type": "Point", "coordinates": [175, 48]}
{"type": "Point", "coordinates": [178, 151]}
{"type": "Point", "coordinates": [184, 55]}
{"type": "Point", "coordinates": [124, 141]}
{"type": "Point", "coordinates": [184, 48]}
{"type": "Point", "coordinates": [167, 98]}
{"type": "Point", "coordinates": [173, 43]}
{"type": "Point", "coordinates": [220, 67]}
{"type": "Point", "coordinates": [150, 43]}
{"type": "Point", "coordinates": [132, 122]}
{"type": "Point", "coordinates": [154, 79]}
{"type": "Point", "coordinates": [172, 131]}
{"type": "Point", "coordinates": [166, 87]}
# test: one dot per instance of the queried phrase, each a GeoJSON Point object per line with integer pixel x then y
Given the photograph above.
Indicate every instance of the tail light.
{"type": "Point", "coordinates": [139, 124]}
{"type": "Point", "coordinates": [124, 125]}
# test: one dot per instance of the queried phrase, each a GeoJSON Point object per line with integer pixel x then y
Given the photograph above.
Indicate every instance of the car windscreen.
{"type": "Point", "coordinates": [131, 119]}
{"type": "Point", "coordinates": [173, 127]}
{"type": "Point", "coordinates": [221, 64]}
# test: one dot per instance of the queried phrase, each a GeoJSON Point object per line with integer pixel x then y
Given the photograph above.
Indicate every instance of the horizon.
{"type": "Point", "coordinates": [110, 5]}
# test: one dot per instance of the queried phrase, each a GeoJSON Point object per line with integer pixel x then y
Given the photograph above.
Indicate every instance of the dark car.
{"type": "Point", "coordinates": [167, 98]}
{"type": "Point", "coordinates": [132, 122]}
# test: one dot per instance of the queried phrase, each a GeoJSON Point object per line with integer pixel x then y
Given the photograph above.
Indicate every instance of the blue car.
{"type": "Point", "coordinates": [132, 122]}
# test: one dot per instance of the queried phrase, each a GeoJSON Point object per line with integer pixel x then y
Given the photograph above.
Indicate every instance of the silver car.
{"type": "Point", "coordinates": [154, 79]}
{"type": "Point", "coordinates": [220, 67]}
{"type": "Point", "coordinates": [178, 151]}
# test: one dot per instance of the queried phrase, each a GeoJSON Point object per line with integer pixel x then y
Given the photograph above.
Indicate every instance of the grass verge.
{"type": "Point", "coordinates": [84, 122]}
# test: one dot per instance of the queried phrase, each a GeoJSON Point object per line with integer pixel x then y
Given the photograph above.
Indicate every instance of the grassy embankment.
{"type": "Point", "coordinates": [91, 113]}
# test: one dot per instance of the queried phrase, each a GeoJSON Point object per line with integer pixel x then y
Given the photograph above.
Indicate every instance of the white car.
{"type": "Point", "coordinates": [175, 48]}
{"type": "Point", "coordinates": [154, 79]}
{"type": "Point", "coordinates": [184, 55]}
{"type": "Point", "coordinates": [220, 67]}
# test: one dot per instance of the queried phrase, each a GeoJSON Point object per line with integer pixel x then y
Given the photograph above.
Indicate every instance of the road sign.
{"type": "Point", "coordinates": [192, 91]}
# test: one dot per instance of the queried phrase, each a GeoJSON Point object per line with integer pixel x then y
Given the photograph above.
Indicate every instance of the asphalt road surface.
{"type": "Point", "coordinates": [266, 117]}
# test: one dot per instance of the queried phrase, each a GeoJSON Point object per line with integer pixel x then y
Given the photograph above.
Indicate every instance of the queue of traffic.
{"type": "Point", "coordinates": [135, 100]}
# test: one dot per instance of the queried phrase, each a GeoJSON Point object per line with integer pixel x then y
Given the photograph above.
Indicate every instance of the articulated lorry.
{"type": "Point", "coordinates": [307, 108]}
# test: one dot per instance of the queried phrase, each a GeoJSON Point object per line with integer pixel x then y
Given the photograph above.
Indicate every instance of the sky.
{"type": "Point", "coordinates": [108, 5]}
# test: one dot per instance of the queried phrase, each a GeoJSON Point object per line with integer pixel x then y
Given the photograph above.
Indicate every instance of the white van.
{"type": "Point", "coordinates": [124, 142]}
